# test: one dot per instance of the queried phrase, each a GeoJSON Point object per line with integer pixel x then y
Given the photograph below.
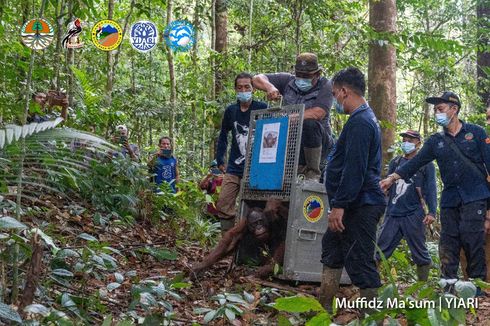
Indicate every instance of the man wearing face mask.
{"type": "Point", "coordinates": [462, 151]}
{"type": "Point", "coordinates": [356, 200]}
{"type": "Point", "coordinates": [307, 87]}
{"type": "Point", "coordinates": [405, 215]}
{"type": "Point", "coordinates": [164, 165]}
{"type": "Point", "coordinates": [235, 120]}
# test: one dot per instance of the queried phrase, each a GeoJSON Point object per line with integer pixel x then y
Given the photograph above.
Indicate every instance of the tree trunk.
{"type": "Point", "coordinates": [382, 71]}
{"type": "Point", "coordinates": [70, 60]}
{"type": "Point", "coordinates": [194, 56]}
{"type": "Point", "coordinates": [221, 19]}
{"type": "Point", "coordinates": [250, 40]}
{"type": "Point", "coordinates": [125, 28]}
{"type": "Point", "coordinates": [110, 61]}
{"type": "Point", "coordinates": [483, 55]}
{"type": "Point", "coordinates": [59, 50]}
{"type": "Point", "coordinates": [298, 11]}
{"type": "Point", "coordinates": [171, 73]}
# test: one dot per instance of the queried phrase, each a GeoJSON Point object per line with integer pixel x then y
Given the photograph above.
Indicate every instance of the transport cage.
{"type": "Point", "coordinates": [307, 222]}
{"type": "Point", "coordinates": [274, 175]}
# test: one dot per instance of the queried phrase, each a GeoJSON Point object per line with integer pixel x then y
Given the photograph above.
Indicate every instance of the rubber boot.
{"type": "Point", "coordinates": [313, 156]}
{"type": "Point", "coordinates": [423, 272]}
{"type": "Point", "coordinates": [370, 294]}
{"type": "Point", "coordinates": [301, 169]}
{"type": "Point", "coordinates": [226, 224]}
{"type": "Point", "coordinates": [329, 287]}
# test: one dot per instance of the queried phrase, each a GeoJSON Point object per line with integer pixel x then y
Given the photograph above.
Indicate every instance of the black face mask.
{"type": "Point", "coordinates": [166, 153]}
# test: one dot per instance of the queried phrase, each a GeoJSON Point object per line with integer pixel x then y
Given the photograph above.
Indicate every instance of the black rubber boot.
{"type": "Point", "coordinates": [423, 272]}
{"type": "Point", "coordinates": [370, 294]}
{"type": "Point", "coordinates": [329, 287]}
{"type": "Point", "coordinates": [313, 156]}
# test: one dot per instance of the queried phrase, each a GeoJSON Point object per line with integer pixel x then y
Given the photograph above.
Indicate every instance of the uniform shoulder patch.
{"type": "Point", "coordinates": [487, 140]}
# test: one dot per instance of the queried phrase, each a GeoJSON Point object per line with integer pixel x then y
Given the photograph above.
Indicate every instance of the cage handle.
{"type": "Point", "coordinates": [269, 107]}
{"type": "Point", "coordinates": [303, 232]}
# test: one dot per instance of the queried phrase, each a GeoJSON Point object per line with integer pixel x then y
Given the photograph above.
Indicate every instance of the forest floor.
{"type": "Point", "coordinates": [129, 240]}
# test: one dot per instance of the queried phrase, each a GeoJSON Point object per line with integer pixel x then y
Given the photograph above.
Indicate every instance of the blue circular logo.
{"type": "Point", "coordinates": [143, 36]}
{"type": "Point", "coordinates": [179, 35]}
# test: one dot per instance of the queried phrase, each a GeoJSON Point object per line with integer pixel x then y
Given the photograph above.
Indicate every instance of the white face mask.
{"type": "Point", "coordinates": [408, 147]}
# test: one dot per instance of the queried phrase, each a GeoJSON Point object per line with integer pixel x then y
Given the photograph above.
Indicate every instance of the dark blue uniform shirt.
{"type": "Point", "coordinates": [462, 184]}
{"type": "Point", "coordinates": [237, 122]}
{"type": "Point", "coordinates": [404, 198]}
{"type": "Point", "coordinates": [353, 173]}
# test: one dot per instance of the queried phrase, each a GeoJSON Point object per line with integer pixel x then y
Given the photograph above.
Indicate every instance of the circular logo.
{"type": "Point", "coordinates": [37, 34]}
{"type": "Point", "coordinates": [143, 36]}
{"type": "Point", "coordinates": [313, 208]}
{"type": "Point", "coordinates": [179, 35]}
{"type": "Point", "coordinates": [107, 35]}
{"type": "Point", "coordinates": [468, 136]}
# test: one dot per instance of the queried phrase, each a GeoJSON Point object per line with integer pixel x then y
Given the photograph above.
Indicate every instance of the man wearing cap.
{"type": "Point", "coordinates": [405, 215]}
{"type": "Point", "coordinates": [462, 151]}
{"type": "Point", "coordinates": [121, 137]}
{"type": "Point", "coordinates": [307, 87]}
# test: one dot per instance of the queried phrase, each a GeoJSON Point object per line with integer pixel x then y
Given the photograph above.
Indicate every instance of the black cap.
{"type": "Point", "coordinates": [306, 63]}
{"type": "Point", "coordinates": [446, 97]}
{"type": "Point", "coordinates": [411, 133]}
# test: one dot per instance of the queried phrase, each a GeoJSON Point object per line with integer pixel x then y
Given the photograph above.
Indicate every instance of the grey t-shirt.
{"type": "Point", "coordinates": [319, 95]}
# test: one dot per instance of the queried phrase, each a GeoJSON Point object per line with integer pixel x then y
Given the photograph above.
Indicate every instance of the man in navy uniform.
{"type": "Point", "coordinates": [352, 183]}
{"type": "Point", "coordinates": [405, 216]}
{"type": "Point", "coordinates": [462, 151]}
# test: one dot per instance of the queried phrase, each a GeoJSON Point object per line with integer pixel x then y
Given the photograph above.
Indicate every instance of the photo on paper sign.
{"type": "Point", "coordinates": [37, 34]}
{"type": "Point", "coordinates": [269, 144]}
{"type": "Point", "coordinates": [143, 36]}
{"type": "Point", "coordinates": [72, 37]}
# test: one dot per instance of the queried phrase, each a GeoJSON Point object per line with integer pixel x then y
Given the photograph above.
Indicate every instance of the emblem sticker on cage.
{"type": "Point", "coordinates": [37, 34]}
{"type": "Point", "coordinates": [313, 208]}
{"type": "Point", "coordinates": [107, 35]}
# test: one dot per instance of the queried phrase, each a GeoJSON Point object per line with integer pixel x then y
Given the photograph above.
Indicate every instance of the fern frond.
{"type": "Point", "coordinates": [11, 133]}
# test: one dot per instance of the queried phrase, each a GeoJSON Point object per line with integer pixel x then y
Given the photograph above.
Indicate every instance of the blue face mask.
{"type": "Point", "coordinates": [244, 97]}
{"type": "Point", "coordinates": [407, 147]}
{"type": "Point", "coordinates": [303, 84]}
{"type": "Point", "coordinates": [442, 119]}
{"type": "Point", "coordinates": [338, 107]}
{"type": "Point", "coordinates": [167, 153]}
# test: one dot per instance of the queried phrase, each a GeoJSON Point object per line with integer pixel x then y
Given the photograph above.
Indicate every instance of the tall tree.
{"type": "Point", "coordinates": [110, 60]}
{"type": "Point", "coordinates": [221, 41]}
{"type": "Point", "coordinates": [171, 73]}
{"type": "Point", "coordinates": [382, 70]}
{"type": "Point", "coordinates": [483, 55]}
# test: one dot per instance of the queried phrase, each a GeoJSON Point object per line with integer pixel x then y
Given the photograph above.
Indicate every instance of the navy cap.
{"type": "Point", "coordinates": [411, 133]}
{"type": "Point", "coordinates": [446, 97]}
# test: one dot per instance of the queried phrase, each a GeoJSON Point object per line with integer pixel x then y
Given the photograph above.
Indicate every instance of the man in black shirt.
{"type": "Point", "coordinates": [307, 87]}
{"type": "Point", "coordinates": [235, 120]}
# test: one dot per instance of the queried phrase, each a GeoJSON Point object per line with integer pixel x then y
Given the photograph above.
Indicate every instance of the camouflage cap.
{"type": "Point", "coordinates": [307, 63]}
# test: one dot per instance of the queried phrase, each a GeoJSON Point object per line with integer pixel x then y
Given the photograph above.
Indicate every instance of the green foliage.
{"type": "Point", "coordinates": [301, 304]}
{"type": "Point", "coordinates": [230, 305]}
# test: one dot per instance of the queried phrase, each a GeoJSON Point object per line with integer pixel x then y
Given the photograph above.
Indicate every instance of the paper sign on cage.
{"type": "Point", "coordinates": [269, 154]}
